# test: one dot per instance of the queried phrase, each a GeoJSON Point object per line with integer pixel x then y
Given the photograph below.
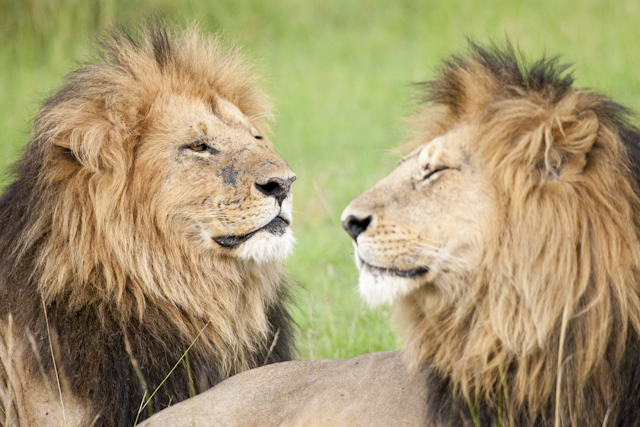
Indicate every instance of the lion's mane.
{"type": "Point", "coordinates": [88, 267]}
{"type": "Point", "coordinates": [547, 331]}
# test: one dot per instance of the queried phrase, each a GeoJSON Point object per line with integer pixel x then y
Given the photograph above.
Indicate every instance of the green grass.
{"type": "Point", "coordinates": [340, 71]}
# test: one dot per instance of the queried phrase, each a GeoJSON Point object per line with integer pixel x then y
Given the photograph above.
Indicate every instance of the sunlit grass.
{"type": "Point", "coordinates": [340, 72]}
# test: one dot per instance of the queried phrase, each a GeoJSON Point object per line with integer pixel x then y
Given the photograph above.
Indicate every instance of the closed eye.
{"type": "Point", "coordinates": [255, 133]}
{"type": "Point", "coordinates": [431, 173]}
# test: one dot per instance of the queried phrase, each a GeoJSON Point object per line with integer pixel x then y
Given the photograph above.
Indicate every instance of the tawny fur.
{"type": "Point", "coordinates": [97, 254]}
{"type": "Point", "coordinates": [535, 319]}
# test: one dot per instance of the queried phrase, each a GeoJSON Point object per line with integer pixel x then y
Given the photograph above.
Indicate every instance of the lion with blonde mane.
{"type": "Point", "coordinates": [508, 239]}
{"type": "Point", "coordinates": [143, 236]}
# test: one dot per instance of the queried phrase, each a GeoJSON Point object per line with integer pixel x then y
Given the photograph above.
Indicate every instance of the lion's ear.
{"type": "Point", "coordinates": [579, 132]}
{"type": "Point", "coordinates": [80, 127]}
{"type": "Point", "coordinates": [568, 140]}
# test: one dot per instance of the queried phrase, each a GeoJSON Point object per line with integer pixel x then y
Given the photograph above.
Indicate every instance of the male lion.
{"type": "Point", "coordinates": [141, 241]}
{"type": "Point", "coordinates": [509, 238]}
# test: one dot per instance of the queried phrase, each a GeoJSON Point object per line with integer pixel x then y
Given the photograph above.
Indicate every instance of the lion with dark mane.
{"type": "Point", "coordinates": [141, 242]}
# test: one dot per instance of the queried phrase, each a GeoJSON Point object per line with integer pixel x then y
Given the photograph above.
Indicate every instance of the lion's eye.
{"type": "Point", "coordinates": [431, 172]}
{"type": "Point", "coordinates": [255, 133]}
{"type": "Point", "coordinates": [200, 147]}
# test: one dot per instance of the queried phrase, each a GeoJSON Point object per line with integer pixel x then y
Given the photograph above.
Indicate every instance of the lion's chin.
{"type": "Point", "coordinates": [273, 242]}
{"type": "Point", "coordinates": [265, 246]}
{"type": "Point", "coordinates": [378, 286]}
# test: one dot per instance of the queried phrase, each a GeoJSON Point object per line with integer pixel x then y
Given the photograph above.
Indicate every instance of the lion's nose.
{"type": "Point", "coordinates": [356, 226]}
{"type": "Point", "coordinates": [276, 187]}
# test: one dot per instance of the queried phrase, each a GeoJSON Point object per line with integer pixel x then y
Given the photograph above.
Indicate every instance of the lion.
{"type": "Point", "coordinates": [509, 238]}
{"type": "Point", "coordinates": [142, 239]}
{"type": "Point", "coordinates": [508, 241]}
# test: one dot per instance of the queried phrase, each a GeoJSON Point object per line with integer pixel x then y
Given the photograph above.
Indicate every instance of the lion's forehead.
{"type": "Point", "coordinates": [182, 116]}
{"type": "Point", "coordinates": [230, 113]}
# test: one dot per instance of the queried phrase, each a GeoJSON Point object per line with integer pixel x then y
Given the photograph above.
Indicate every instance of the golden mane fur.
{"type": "Point", "coordinates": [510, 238]}
{"type": "Point", "coordinates": [548, 325]}
{"type": "Point", "coordinates": [83, 233]}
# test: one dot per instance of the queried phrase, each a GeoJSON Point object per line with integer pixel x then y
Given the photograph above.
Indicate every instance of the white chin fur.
{"type": "Point", "coordinates": [379, 288]}
{"type": "Point", "coordinates": [265, 247]}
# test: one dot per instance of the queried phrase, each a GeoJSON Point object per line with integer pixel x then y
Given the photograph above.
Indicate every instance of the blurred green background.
{"type": "Point", "coordinates": [340, 72]}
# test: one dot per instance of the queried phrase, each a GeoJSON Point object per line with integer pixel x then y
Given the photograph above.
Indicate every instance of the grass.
{"type": "Point", "coordinates": [340, 71]}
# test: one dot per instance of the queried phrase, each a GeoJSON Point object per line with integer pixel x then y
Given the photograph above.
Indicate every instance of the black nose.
{"type": "Point", "coordinates": [276, 187]}
{"type": "Point", "coordinates": [355, 226]}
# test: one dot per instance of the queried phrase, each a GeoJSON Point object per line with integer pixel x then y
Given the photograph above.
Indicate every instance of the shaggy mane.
{"type": "Point", "coordinates": [547, 333]}
{"type": "Point", "coordinates": [78, 238]}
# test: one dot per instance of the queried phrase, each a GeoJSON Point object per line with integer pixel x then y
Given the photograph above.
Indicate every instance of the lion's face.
{"type": "Point", "coordinates": [219, 183]}
{"type": "Point", "coordinates": [422, 226]}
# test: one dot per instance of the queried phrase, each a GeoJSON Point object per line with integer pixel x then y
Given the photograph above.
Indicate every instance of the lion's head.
{"type": "Point", "coordinates": [150, 206]}
{"type": "Point", "coordinates": [510, 238]}
{"type": "Point", "coordinates": [164, 143]}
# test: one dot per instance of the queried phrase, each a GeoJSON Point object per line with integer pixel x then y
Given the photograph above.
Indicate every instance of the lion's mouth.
{"type": "Point", "coordinates": [416, 272]}
{"type": "Point", "coordinates": [277, 226]}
